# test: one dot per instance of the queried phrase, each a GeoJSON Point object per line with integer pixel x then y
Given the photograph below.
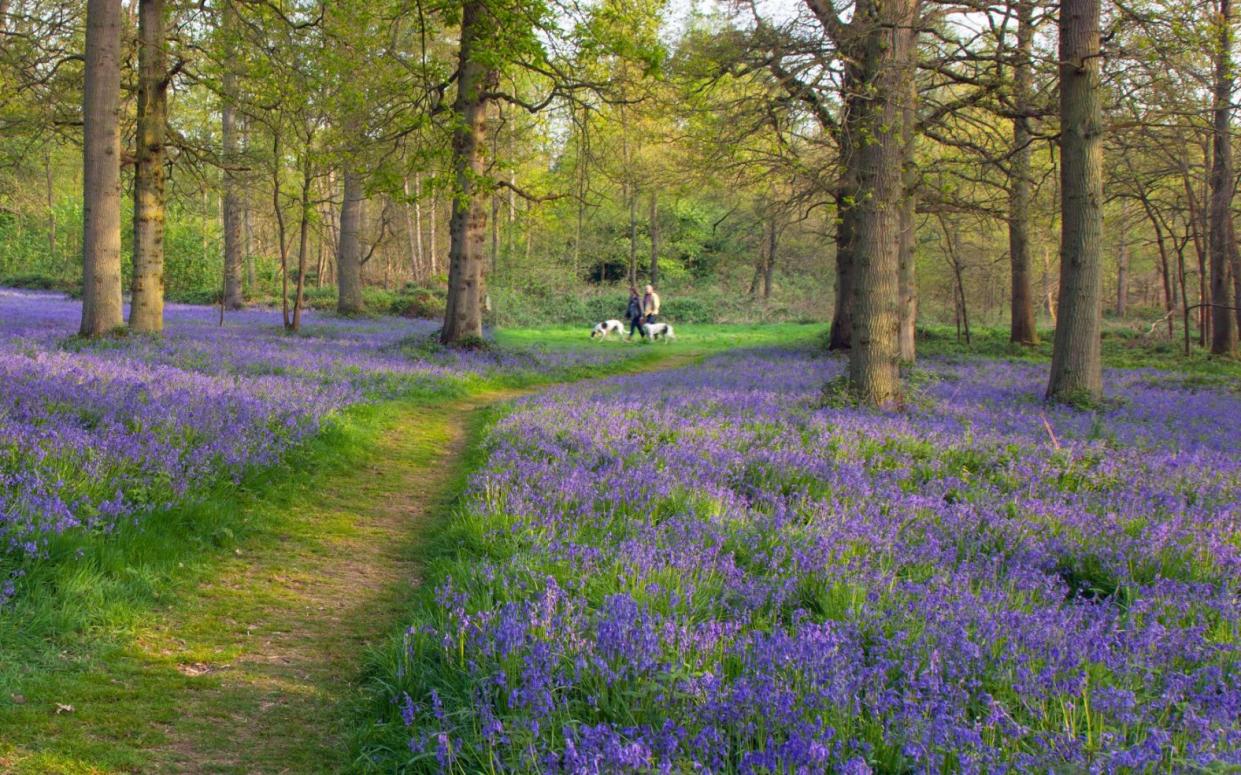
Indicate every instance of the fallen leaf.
{"type": "Point", "coordinates": [17, 699]}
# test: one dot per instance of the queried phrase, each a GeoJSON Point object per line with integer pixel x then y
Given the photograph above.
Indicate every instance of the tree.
{"type": "Point", "coordinates": [1076, 365]}
{"type": "Point", "coordinates": [885, 70]}
{"type": "Point", "coordinates": [476, 79]}
{"type": "Point", "coordinates": [234, 297]}
{"type": "Point", "coordinates": [146, 311]}
{"type": "Point", "coordinates": [101, 173]}
{"type": "Point", "coordinates": [349, 251]}
{"type": "Point", "coordinates": [1021, 325]}
{"type": "Point", "coordinates": [1223, 243]}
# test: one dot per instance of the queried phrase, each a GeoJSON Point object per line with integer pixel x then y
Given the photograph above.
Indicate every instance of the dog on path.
{"type": "Point", "coordinates": [655, 331]}
{"type": "Point", "coordinates": [607, 327]}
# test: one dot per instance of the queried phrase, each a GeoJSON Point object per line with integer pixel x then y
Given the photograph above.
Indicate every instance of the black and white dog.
{"type": "Point", "coordinates": [608, 327]}
{"type": "Point", "coordinates": [654, 331]}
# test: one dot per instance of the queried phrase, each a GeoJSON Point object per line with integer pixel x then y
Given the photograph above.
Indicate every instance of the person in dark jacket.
{"type": "Point", "coordinates": [634, 312]}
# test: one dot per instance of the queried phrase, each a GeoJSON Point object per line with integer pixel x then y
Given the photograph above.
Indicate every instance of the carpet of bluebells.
{"type": "Point", "coordinates": [92, 434]}
{"type": "Point", "coordinates": [714, 569]}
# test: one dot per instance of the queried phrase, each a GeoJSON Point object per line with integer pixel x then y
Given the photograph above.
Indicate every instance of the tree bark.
{"type": "Point", "coordinates": [432, 253]}
{"type": "Point", "coordinates": [146, 309]}
{"type": "Point", "coordinates": [760, 267]}
{"type": "Point", "coordinates": [234, 297]}
{"type": "Point", "coordinates": [874, 357]}
{"type": "Point", "coordinates": [281, 235]}
{"type": "Point", "coordinates": [841, 336]}
{"type": "Point", "coordinates": [1236, 286]}
{"type": "Point", "coordinates": [1049, 293]}
{"type": "Point", "coordinates": [463, 318]}
{"type": "Point", "coordinates": [1164, 265]}
{"type": "Point", "coordinates": [1223, 244]}
{"type": "Point", "coordinates": [413, 227]}
{"type": "Point", "coordinates": [1022, 328]}
{"type": "Point", "coordinates": [633, 235]}
{"type": "Point", "coordinates": [349, 247]}
{"type": "Point", "coordinates": [769, 266]}
{"type": "Point", "coordinates": [908, 281]}
{"type": "Point", "coordinates": [1076, 364]}
{"type": "Point", "coordinates": [51, 204]}
{"type": "Point", "coordinates": [102, 307]}
{"type": "Point", "coordinates": [303, 239]}
{"type": "Point", "coordinates": [1122, 265]}
{"type": "Point", "coordinates": [654, 227]}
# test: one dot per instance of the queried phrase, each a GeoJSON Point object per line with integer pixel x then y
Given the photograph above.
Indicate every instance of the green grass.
{"type": "Point", "coordinates": [1122, 349]}
{"type": "Point", "coordinates": [698, 339]}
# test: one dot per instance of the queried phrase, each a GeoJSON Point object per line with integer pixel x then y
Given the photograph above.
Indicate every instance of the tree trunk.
{"type": "Point", "coordinates": [303, 240]}
{"type": "Point", "coordinates": [1122, 265]}
{"type": "Point", "coordinates": [874, 357]}
{"type": "Point", "coordinates": [841, 336]}
{"type": "Point", "coordinates": [951, 240]}
{"type": "Point", "coordinates": [146, 310]}
{"type": "Point", "coordinates": [769, 266]}
{"type": "Point", "coordinates": [1022, 326]}
{"type": "Point", "coordinates": [633, 235]}
{"type": "Point", "coordinates": [247, 244]}
{"type": "Point", "coordinates": [495, 233]}
{"type": "Point", "coordinates": [1195, 228]}
{"type": "Point", "coordinates": [760, 267]}
{"type": "Point", "coordinates": [583, 149]}
{"type": "Point", "coordinates": [908, 281]}
{"type": "Point", "coordinates": [349, 247]}
{"type": "Point", "coordinates": [234, 297]}
{"type": "Point", "coordinates": [463, 318]}
{"type": "Point", "coordinates": [281, 235]}
{"type": "Point", "coordinates": [51, 204]}
{"type": "Point", "coordinates": [1076, 365]}
{"type": "Point", "coordinates": [1049, 293]}
{"type": "Point", "coordinates": [1236, 286]}
{"type": "Point", "coordinates": [102, 307]}
{"type": "Point", "coordinates": [654, 227]}
{"type": "Point", "coordinates": [412, 230]}
{"type": "Point", "coordinates": [1180, 276]}
{"type": "Point", "coordinates": [1223, 244]}
{"type": "Point", "coordinates": [1165, 271]}
{"type": "Point", "coordinates": [432, 253]}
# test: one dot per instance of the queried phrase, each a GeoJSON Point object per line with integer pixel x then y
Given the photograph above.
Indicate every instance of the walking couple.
{"type": "Point", "coordinates": [642, 309]}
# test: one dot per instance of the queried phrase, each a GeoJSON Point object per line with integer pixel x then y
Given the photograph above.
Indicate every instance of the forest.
{"type": "Point", "coordinates": [918, 450]}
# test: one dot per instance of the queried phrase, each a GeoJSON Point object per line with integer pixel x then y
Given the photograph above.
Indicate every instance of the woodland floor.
{"type": "Point", "coordinates": [256, 669]}
{"type": "Point", "coordinates": [256, 666]}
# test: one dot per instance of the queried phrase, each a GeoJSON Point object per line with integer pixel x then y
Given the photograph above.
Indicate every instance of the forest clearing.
{"type": "Point", "coordinates": [623, 386]}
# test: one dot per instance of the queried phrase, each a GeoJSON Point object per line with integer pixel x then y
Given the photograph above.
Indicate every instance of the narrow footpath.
{"type": "Point", "coordinates": [272, 690]}
{"type": "Point", "coordinates": [258, 668]}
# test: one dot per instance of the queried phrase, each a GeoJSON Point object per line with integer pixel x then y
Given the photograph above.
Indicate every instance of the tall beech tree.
{"type": "Point", "coordinates": [1022, 329]}
{"type": "Point", "coordinates": [146, 311]}
{"type": "Point", "coordinates": [1223, 243]}
{"type": "Point", "coordinates": [520, 35]}
{"type": "Point", "coordinates": [349, 247]}
{"type": "Point", "coordinates": [1076, 364]}
{"type": "Point", "coordinates": [102, 309]}
{"type": "Point", "coordinates": [885, 69]}
{"type": "Point", "coordinates": [477, 79]}
{"type": "Point", "coordinates": [231, 206]}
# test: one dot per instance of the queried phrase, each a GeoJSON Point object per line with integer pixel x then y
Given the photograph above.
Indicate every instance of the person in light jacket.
{"type": "Point", "coordinates": [650, 305]}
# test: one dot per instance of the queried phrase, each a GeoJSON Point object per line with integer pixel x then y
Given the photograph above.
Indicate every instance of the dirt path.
{"type": "Point", "coordinates": [257, 669]}
{"type": "Point", "coordinates": [272, 648]}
